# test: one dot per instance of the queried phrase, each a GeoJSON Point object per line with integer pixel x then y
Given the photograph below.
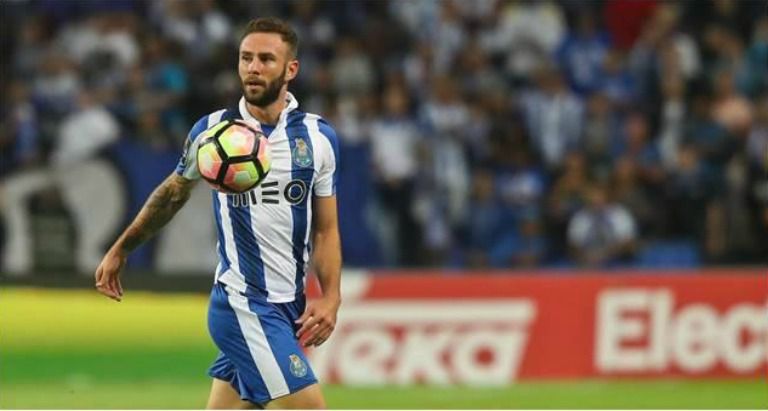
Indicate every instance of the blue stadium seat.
{"type": "Point", "coordinates": [669, 254]}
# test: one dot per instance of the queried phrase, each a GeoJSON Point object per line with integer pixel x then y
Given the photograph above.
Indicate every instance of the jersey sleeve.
{"type": "Point", "coordinates": [187, 166]}
{"type": "Point", "coordinates": [325, 186]}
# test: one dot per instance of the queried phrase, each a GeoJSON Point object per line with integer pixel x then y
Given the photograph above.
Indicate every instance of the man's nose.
{"type": "Point", "coordinates": [254, 66]}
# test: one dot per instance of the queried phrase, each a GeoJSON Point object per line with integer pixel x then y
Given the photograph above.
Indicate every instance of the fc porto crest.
{"type": "Point", "coordinates": [302, 154]}
{"type": "Point", "coordinates": [298, 367]}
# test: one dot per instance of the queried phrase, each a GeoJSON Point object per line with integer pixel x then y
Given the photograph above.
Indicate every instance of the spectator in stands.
{"type": "Point", "coordinates": [731, 15]}
{"type": "Point", "coordinates": [352, 70]}
{"type": "Point", "coordinates": [757, 142]}
{"type": "Point", "coordinates": [31, 49]}
{"type": "Point", "coordinates": [418, 17]}
{"type": "Point", "coordinates": [603, 233]}
{"type": "Point", "coordinates": [730, 108]}
{"type": "Point", "coordinates": [627, 190]}
{"type": "Point", "coordinates": [553, 117]}
{"type": "Point", "coordinates": [56, 87]}
{"type": "Point", "coordinates": [616, 82]}
{"type": "Point", "coordinates": [757, 156]}
{"type": "Point", "coordinates": [523, 246]}
{"type": "Point", "coordinates": [565, 198]}
{"type": "Point", "coordinates": [637, 146]}
{"type": "Point", "coordinates": [520, 184]}
{"type": "Point", "coordinates": [582, 53]}
{"type": "Point", "coordinates": [505, 126]}
{"type": "Point", "coordinates": [20, 140]}
{"type": "Point", "coordinates": [168, 82]}
{"type": "Point", "coordinates": [526, 35]}
{"type": "Point", "coordinates": [691, 187]}
{"type": "Point", "coordinates": [662, 49]}
{"type": "Point", "coordinates": [196, 26]}
{"type": "Point", "coordinates": [709, 138]}
{"type": "Point", "coordinates": [447, 38]}
{"type": "Point", "coordinates": [151, 132]}
{"type": "Point", "coordinates": [485, 220]}
{"type": "Point", "coordinates": [602, 125]}
{"type": "Point", "coordinates": [757, 55]}
{"type": "Point", "coordinates": [446, 118]}
{"type": "Point", "coordinates": [318, 34]}
{"type": "Point", "coordinates": [73, 143]}
{"type": "Point", "coordinates": [395, 144]}
{"type": "Point", "coordinates": [418, 67]}
{"type": "Point", "coordinates": [671, 115]}
{"type": "Point", "coordinates": [107, 34]}
{"type": "Point", "coordinates": [478, 75]}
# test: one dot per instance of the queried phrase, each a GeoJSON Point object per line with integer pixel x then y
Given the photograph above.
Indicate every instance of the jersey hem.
{"type": "Point", "coordinates": [280, 299]}
{"type": "Point", "coordinates": [270, 298]}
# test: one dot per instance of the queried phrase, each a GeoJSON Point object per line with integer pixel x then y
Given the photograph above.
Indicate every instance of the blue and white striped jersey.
{"type": "Point", "coordinates": [263, 235]}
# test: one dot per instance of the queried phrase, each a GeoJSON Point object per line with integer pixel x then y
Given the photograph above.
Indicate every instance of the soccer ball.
{"type": "Point", "coordinates": [233, 156]}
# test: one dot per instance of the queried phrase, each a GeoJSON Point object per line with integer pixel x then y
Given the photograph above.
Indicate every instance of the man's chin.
{"type": "Point", "coordinates": [254, 99]}
{"type": "Point", "coordinates": [258, 100]}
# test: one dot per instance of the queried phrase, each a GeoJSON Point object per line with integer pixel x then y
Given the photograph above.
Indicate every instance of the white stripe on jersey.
{"type": "Point", "coordinates": [259, 347]}
{"type": "Point", "coordinates": [232, 276]}
{"type": "Point", "coordinates": [272, 226]}
{"type": "Point", "coordinates": [318, 146]}
{"type": "Point", "coordinates": [325, 158]}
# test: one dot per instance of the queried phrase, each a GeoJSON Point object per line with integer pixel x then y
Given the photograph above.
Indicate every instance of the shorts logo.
{"type": "Point", "coordinates": [298, 367]}
{"type": "Point", "coordinates": [302, 154]}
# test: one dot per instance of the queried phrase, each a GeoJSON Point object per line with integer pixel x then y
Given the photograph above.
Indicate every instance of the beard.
{"type": "Point", "coordinates": [269, 94]}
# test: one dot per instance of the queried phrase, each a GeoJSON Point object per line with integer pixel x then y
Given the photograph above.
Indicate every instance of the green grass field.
{"type": "Point", "coordinates": [74, 349]}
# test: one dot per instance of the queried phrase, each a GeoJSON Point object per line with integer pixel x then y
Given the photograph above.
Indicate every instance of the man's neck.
{"type": "Point", "coordinates": [269, 114]}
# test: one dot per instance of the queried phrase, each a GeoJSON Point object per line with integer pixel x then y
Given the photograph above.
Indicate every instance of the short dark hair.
{"type": "Point", "coordinates": [274, 25]}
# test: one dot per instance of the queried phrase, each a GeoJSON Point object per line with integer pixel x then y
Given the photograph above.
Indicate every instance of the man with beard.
{"type": "Point", "coordinates": [258, 316]}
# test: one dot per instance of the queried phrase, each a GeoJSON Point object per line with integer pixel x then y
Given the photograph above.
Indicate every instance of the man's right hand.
{"type": "Point", "coordinates": [160, 207]}
{"type": "Point", "coordinates": [108, 274]}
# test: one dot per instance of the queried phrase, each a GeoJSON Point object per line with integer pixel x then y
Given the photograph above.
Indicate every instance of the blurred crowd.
{"type": "Point", "coordinates": [497, 133]}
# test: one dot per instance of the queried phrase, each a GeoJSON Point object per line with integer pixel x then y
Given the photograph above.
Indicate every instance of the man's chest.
{"type": "Point", "coordinates": [291, 176]}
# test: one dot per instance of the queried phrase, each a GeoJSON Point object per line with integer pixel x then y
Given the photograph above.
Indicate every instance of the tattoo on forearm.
{"type": "Point", "coordinates": [161, 206]}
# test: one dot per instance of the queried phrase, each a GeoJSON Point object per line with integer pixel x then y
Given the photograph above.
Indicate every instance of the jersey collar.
{"type": "Point", "coordinates": [291, 104]}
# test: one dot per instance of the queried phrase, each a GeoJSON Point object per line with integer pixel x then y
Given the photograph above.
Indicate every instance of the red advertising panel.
{"type": "Point", "coordinates": [495, 328]}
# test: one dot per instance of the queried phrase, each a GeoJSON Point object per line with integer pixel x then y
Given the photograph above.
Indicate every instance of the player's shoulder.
{"type": "Point", "coordinates": [208, 120]}
{"type": "Point", "coordinates": [319, 127]}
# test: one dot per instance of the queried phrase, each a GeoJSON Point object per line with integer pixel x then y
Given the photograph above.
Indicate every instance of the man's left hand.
{"type": "Point", "coordinates": [318, 321]}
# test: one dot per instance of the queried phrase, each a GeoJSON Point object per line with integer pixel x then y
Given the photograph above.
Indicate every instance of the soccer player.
{"type": "Point", "coordinates": [258, 316]}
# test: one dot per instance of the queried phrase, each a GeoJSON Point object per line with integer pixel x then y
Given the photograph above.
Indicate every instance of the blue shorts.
{"type": "Point", "coordinates": [259, 354]}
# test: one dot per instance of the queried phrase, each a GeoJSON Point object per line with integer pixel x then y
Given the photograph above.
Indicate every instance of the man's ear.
{"type": "Point", "coordinates": [292, 70]}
